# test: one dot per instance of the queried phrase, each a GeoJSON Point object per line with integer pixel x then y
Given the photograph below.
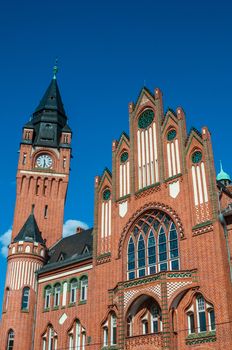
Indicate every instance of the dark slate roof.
{"type": "Point", "coordinates": [72, 247]}
{"type": "Point", "coordinates": [51, 99]}
{"type": "Point", "coordinates": [30, 231]}
{"type": "Point", "coordinates": [49, 118]}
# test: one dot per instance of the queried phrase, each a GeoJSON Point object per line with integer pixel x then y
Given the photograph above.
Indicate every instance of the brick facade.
{"type": "Point", "coordinates": [157, 263]}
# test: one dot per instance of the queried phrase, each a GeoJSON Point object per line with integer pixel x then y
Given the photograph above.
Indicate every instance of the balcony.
{"type": "Point", "coordinates": [144, 342]}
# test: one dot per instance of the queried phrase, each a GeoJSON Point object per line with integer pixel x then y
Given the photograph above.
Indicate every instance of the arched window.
{"type": "Point", "coordinates": [47, 301]}
{"type": "Point", "coordinates": [57, 292]}
{"type": "Point", "coordinates": [77, 336]}
{"type": "Point", "coordinates": [152, 245]}
{"type": "Point", "coordinates": [141, 257]}
{"type": "Point", "coordinates": [162, 250]}
{"type": "Point", "coordinates": [73, 290]}
{"type": "Point", "coordinates": [173, 248]}
{"type": "Point", "coordinates": [110, 331]}
{"type": "Point", "coordinates": [49, 339]}
{"type": "Point", "coordinates": [145, 314]}
{"type": "Point", "coordinates": [25, 298]}
{"type": "Point", "coordinates": [201, 316]}
{"type": "Point", "coordinates": [131, 259]}
{"type": "Point", "coordinates": [84, 288]}
{"type": "Point", "coordinates": [10, 340]}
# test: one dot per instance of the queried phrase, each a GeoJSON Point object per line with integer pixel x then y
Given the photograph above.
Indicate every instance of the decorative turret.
{"type": "Point", "coordinates": [27, 254]}
{"type": "Point", "coordinates": [223, 176]}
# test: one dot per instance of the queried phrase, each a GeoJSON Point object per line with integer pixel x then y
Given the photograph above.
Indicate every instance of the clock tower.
{"type": "Point", "coordinates": [43, 167]}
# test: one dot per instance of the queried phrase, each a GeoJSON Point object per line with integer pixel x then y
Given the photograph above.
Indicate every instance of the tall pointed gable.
{"type": "Point", "coordinates": [30, 231]}
{"type": "Point", "coordinates": [49, 119]}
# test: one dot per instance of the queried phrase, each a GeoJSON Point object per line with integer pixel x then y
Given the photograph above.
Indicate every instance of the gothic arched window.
{"type": "Point", "coordinates": [77, 336]}
{"type": "Point", "coordinates": [152, 245]}
{"type": "Point", "coordinates": [50, 339]}
{"type": "Point", "coordinates": [201, 316]}
{"type": "Point", "coordinates": [131, 259]}
{"type": "Point", "coordinates": [10, 340]}
{"type": "Point", "coordinates": [141, 257]}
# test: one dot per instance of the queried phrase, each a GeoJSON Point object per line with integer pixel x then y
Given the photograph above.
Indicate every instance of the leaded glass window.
{"type": "Point", "coordinates": [162, 250]}
{"type": "Point", "coordinates": [151, 253]}
{"type": "Point", "coordinates": [141, 257]}
{"type": "Point", "coordinates": [173, 248]}
{"type": "Point", "coordinates": [153, 245]}
{"type": "Point", "coordinates": [131, 259]}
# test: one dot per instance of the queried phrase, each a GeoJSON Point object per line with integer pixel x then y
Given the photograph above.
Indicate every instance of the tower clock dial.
{"type": "Point", "coordinates": [44, 161]}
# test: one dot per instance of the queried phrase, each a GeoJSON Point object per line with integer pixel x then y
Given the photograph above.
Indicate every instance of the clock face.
{"type": "Point", "coordinates": [44, 161]}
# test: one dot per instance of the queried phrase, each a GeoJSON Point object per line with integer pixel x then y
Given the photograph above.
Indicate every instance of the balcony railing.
{"type": "Point", "coordinates": [145, 342]}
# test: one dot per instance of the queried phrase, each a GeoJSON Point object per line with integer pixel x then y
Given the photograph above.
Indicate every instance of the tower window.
{"type": "Point", "coordinates": [24, 158]}
{"type": "Point", "coordinates": [64, 162]}
{"type": "Point", "coordinates": [10, 340]}
{"type": "Point", "coordinates": [65, 138]}
{"type": "Point", "coordinates": [46, 211]}
{"type": "Point", "coordinates": [25, 298]}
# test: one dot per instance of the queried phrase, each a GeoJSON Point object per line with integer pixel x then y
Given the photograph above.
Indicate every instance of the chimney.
{"type": "Point", "coordinates": [79, 229]}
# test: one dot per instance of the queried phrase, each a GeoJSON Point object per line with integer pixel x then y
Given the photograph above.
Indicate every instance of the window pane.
{"type": "Point", "coordinates": [175, 265]}
{"type": "Point", "coordinates": [131, 275]}
{"type": "Point", "coordinates": [212, 320]}
{"type": "Point", "coordinates": [163, 267]}
{"type": "Point", "coordinates": [141, 272]}
{"type": "Point", "coordinates": [202, 320]}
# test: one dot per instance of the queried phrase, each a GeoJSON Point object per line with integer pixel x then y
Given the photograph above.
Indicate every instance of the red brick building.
{"type": "Point", "coordinates": [155, 271]}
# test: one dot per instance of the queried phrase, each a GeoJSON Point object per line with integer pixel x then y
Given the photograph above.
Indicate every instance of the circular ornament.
{"type": "Point", "coordinates": [196, 157]}
{"type": "Point", "coordinates": [171, 135]}
{"type": "Point", "coordinates": [145, 119]}
{"type": "Point", "coordinates": [124, 157]}
{"type": "Point", "coordinates": [106, 194]}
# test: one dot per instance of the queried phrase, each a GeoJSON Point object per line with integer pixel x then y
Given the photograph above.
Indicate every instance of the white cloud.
{"type": "Point", "coordinates": [70, 226]}
{"type": "Point", "coordinates": [5, 239]}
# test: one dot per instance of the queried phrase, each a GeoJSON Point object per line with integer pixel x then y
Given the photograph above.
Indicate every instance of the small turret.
{"type": "Point", "coordinates": [223, 177]}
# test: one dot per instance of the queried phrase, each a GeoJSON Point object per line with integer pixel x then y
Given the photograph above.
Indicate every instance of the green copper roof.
{"type": "Point", "coordinates": [222, 175]}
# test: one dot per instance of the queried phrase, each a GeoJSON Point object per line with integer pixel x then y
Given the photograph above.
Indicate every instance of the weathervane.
{"type": "Point", "coordinates": [55, 69]}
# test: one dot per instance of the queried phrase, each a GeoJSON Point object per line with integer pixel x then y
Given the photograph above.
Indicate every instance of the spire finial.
{"type": "Point", "coordinates": [221, 166]}
{"type": "Point", "coordinates": [55, 69]}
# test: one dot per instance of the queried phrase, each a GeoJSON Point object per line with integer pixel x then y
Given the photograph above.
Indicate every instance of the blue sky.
{"type": "Point", "coordinates": [107, 51]}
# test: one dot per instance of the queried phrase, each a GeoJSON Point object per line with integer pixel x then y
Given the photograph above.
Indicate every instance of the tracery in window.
{"type": "Point", "coordinates": [152, 245]}
{"type": "Point", "coordinates": [200, 316]}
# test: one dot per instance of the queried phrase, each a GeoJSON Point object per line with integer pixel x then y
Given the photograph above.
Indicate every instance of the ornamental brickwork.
{"type": "Point", "coordinates": [155, 271]}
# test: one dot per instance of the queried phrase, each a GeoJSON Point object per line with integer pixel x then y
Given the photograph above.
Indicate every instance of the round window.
{"type": "Point", "coordinates": [145, 119]}
{"type": "Point", "coordinates": [106, 194]}
{"type": "Point", "coordinates": [124, 157]}
{"type": "Point", "coordinates": [171, 135]}
{"type": "Point", "coordinates": [196, 157]}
